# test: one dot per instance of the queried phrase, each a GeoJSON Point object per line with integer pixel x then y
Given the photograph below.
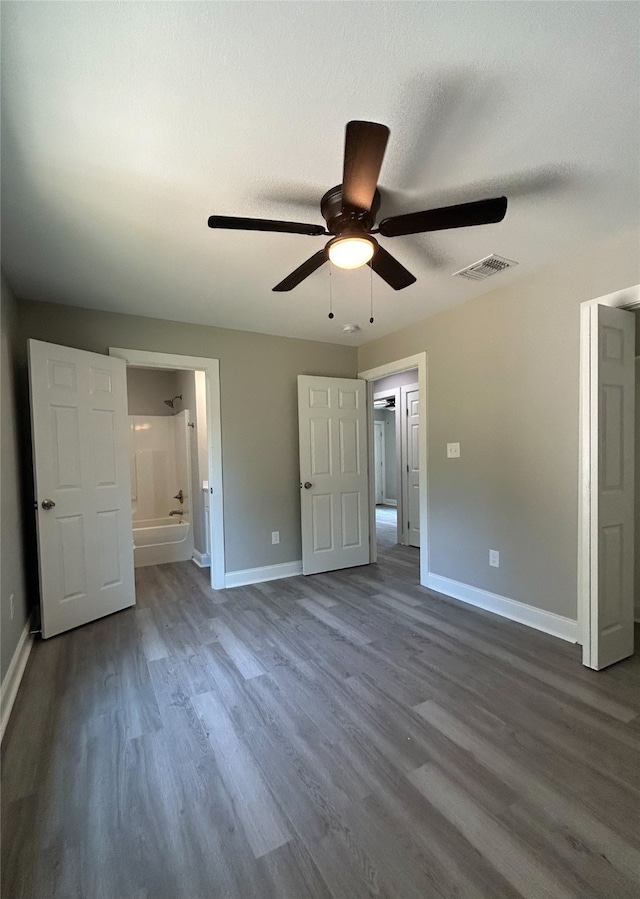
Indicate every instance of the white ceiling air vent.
{"type": "Point", "coordinates": [486, 267]}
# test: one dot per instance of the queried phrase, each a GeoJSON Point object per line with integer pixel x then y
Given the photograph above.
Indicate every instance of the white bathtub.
{"type": "Point", "coordinates": [158, 540]}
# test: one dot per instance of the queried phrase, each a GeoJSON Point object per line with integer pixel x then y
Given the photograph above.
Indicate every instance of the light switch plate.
{"type": "Point", "coordinates": [453, 450]}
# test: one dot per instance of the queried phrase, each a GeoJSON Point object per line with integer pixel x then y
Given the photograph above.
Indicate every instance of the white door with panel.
{"type": "Point", "coordinates": [411, 464]}
{"type": "Point", "coordinates": [80, 436]}
{"type": "Point", "coordinates": [332, 417]}
{"type": "Point", "coordinates": [612, 494]}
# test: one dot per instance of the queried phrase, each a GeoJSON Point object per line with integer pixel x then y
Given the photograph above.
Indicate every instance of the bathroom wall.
{"type": "Point", "coordinates": [147, 390]}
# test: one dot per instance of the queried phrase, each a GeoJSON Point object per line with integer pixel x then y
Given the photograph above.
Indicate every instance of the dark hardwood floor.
{"type": "Point", "coordinates": [347, 735]}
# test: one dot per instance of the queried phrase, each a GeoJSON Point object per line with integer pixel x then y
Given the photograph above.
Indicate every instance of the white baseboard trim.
{"type": "Point", "coordinates": [549, 622]}
{"type": "Point", "coordinates": [202, 560]}
{"type": "Point", "coordinates": [266, 573]}
{"type": "Point", "coordinates": [389, 502]}
{"type": "Point", "coordinates": [12, 678]}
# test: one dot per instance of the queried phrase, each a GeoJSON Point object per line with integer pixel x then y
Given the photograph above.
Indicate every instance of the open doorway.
{"type": "Point", "coordinates": [400, 386]}
{"type": "Point", "coordinates": [196, 388]}
{"type": "Point", "coordinates": [396, 459]}
{"type": "Point", "coordinates": [168, 465]}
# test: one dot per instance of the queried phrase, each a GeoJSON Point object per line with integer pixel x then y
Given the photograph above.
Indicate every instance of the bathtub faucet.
{"type": "Point", "coordinates": [176, 512]}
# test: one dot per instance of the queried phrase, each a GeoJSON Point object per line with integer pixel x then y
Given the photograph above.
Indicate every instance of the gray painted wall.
{"type": "Point", "coordinates": [391, 382]}
{"type": "Point", "coordinates": [503, 379]}
{"type": "Point", "coordinates": [147, 390]}
{"type": "Point", "coordinates": [259, 410]}
{"type": "Point", "coordinates": [12, 579]}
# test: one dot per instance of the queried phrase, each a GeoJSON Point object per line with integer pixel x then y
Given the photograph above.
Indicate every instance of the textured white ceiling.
{"type": "Point", "coordinates": [125, 125]}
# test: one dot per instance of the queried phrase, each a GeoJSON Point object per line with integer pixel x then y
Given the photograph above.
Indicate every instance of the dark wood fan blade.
{"type": "Point", "coordinates": [482, 212]}
{"type": "Point", "coordinates": [232, 223]}
{"type": "Point", "coordinates": [303, 271]}
{"type": "Point", "coordinates": [390, 270]}
{"type": "Point", "coordinates": [364, 147]}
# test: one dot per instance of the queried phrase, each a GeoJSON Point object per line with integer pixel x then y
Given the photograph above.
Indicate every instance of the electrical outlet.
{"type": "Point", "coordinates": [11, 608]}
{"type": "Point", "coordinates": [494, 558]}
{"type": "Point", "coordinates": [275, 537]}
{"type": "Point", "coordinates": [453, 450]}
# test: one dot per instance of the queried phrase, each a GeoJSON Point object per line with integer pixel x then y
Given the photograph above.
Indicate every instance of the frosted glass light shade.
{"type": "Point", "coordinates": [351, 252]}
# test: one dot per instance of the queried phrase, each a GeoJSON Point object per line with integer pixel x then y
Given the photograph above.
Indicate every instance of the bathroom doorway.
{"type": "Point", "coordinates": [188, 383]}
{"type": "Point", "coordinates": [166, 482]}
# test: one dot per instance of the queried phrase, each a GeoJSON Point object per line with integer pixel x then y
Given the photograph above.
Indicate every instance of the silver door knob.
{"type": "Point", "coordinates": [307, 484]}
{"type": "Point", "coordinates": [48, 504]}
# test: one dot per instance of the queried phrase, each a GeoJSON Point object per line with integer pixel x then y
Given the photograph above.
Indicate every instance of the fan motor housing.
{"type": "Point", "coordinates": [339, 220]}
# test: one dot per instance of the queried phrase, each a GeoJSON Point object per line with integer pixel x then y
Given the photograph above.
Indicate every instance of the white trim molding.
{"type": "Point", "coordinates": [389, 502]}
{"type": "Point", "coordinates": [202, 560]}
{"type": "Point", "coordinates": [265, 573]}
{"type": "Point", "coordinates": [549, 622]}
{"type": "Point", "coordinates": [12, 678]}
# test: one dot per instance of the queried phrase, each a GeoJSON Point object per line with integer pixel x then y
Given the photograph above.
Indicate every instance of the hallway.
{"type": "Point", "coordinates": [386, 527]}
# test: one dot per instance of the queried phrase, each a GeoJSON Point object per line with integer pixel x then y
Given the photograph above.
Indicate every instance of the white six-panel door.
{"type": "Point", "coordinates": [612, 493]}
{"type": "Point", "coordinates": [81, 466]}
{"type": "Point", "coordinates": [332, 418]}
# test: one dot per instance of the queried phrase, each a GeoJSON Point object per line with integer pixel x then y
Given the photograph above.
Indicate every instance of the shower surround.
{"type": "Point", "coordinates": [160, 469]}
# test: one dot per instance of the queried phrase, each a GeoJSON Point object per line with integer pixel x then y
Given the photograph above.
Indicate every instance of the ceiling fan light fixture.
{"type": "Point", "coordinates": [350, 251]}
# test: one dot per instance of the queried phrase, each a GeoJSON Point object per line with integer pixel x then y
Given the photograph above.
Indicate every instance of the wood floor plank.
{"type": "Point", "coordinates": [245, 661]}
{"type": "Point", "coordinates": [509, 857]}
{"type": "Point", "coordinates": [328, 618]}
{"type": "Point", "coordinates": [262, 822]}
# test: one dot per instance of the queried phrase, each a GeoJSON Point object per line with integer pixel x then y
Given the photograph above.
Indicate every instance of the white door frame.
{"type": "Point", "coordinates": [211, 368]}
{"type": "Point", "coordinates": [629, 298]}
{"type": "Point", "coordinates": [418, 361]}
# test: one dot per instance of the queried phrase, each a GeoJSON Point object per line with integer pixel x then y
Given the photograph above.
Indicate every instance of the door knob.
{"type": "Point", "coordinates": [307, 484]}
{"type": "Point", "coordinates": [48, 504]}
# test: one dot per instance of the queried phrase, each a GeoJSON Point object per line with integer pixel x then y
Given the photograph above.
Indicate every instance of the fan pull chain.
{"type": "Point", "coordinates": [371, 293]}
{"type": "Point", "coordinates": [330, 290]}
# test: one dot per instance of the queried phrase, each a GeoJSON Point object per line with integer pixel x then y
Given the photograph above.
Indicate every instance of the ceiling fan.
{"type": "Point", "coordinates": [350, 210]}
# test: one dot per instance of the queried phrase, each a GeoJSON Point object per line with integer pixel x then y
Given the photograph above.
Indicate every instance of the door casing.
{"type": "Point", "coordinates": [628, 298]}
